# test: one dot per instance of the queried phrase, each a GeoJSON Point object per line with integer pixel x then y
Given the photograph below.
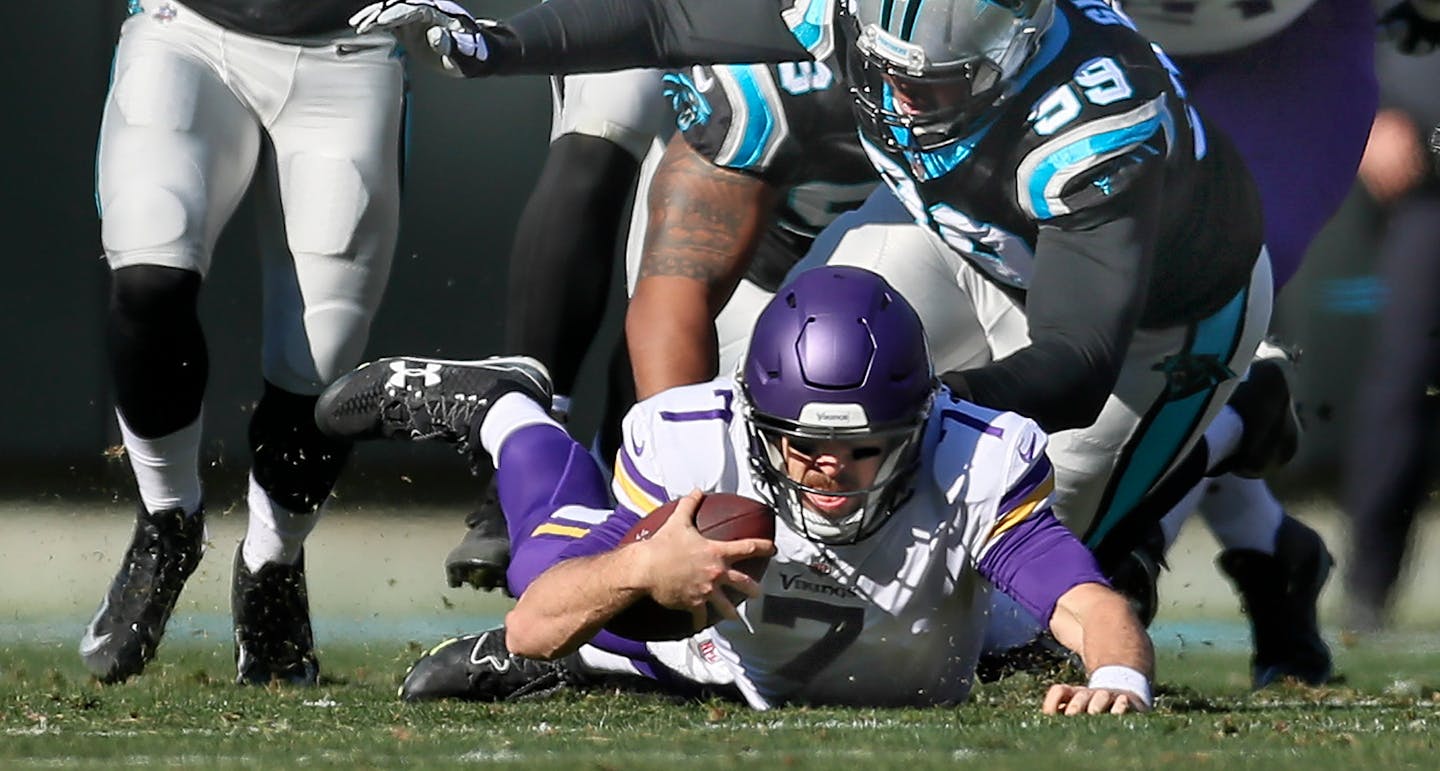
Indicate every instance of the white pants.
{"type": "Point", "coordinates": [1101, 471]}
{"type": "Point", "coordinates": [625, 107]}
{"type": "Point", "coordinates": [185, 130]}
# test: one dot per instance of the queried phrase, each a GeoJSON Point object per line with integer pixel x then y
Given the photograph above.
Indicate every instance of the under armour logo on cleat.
{"type": "Point", "coordinates": [402, 372]}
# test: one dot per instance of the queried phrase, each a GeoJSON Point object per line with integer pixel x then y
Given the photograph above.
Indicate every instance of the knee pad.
{"type": "Point", "coordinates": [145, 219]}
{"type": "Point", "coordinates": [302, 355]}
{"type": "Point", "coordinates": [157, 350]}
{"type": "Point", "coordinates": [293, 462]}
{"type": "Point", "coordinates": [317, 320]}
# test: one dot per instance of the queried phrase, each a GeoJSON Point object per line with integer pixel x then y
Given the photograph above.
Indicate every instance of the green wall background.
{"type": "Point", "coordinates": [445, 298]}
{"type": "Point", "coordinates": [447, 290]}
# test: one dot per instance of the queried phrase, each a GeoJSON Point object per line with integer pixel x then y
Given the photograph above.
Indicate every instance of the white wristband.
{"type": "Point", "coordinates": [1116, 677]}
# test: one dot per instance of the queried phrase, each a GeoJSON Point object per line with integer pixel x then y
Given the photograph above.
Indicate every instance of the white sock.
{"type": "Point", "coordinates": [1172, 522]}
{"type": "Point", "coordinates": [167, 468]}
{"type": "Point", "coordinates": [509, 413]}
{"type": "Point", "coordinates": [274, 534]}
{"type": "Point", "coordinates": [1242, 513]}
{"type": "Point", "coordinates": [596, 661]}
{"type": "Point", "coordinates": [1222, 436]}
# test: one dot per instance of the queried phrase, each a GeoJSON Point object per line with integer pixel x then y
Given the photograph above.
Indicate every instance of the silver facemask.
{"type": "Point", "coordinates": [967, 50]}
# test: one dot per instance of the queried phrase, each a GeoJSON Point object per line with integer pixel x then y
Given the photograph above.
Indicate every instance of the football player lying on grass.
{"type": "Point", "coordinates": [899, 508]}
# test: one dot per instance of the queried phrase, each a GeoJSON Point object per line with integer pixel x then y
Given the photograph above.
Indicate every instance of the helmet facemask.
{"type": "Point", "coordinates": [898, 450]}
{"type": "Point", "coordinates": [931, 86]}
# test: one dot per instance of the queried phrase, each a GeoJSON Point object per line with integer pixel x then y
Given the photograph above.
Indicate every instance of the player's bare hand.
{"type": "Point", "coordinates": [1071, 700]}
{"type": "Point", "coordinates": [685, 570]}
{"type": "Point", "coordinates": [1394, 162]}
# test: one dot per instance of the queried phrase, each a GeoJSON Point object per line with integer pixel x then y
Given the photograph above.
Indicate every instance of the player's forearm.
{"type": "Point", "coordinates": [570, 36]}
{"type": "Point", "coordinates": [1057, 383]}
{"type": "Point", "coordinates": [1097, 622]}
{"type": "Point", "coordinates": [1084, 304]}
{"type": "Point", "coordinates": [569, 603]}
{"type": "Point", "coordinates": [671, 334]}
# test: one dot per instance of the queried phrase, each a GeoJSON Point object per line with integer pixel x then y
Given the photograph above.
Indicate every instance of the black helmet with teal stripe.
{"type": "Point", "coordinates": [923, 70]}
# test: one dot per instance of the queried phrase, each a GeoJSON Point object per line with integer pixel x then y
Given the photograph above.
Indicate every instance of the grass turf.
{"type": "Point", "coordinates": [185, 712]}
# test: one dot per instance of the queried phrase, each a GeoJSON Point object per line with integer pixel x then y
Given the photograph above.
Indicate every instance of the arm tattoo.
{"type": "Point", "coordinates": [705, 220]}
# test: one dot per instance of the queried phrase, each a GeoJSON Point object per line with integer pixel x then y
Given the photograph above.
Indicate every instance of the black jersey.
{"type": "Point", "coordinates": [789, 124]}
{"type": "Point", "coordinates": [1096, 130]}
{"type": "Point", "coordinates": [1188, 214]}
{"type": "Point", "coordinates": [277, 18]}
{"type": "Point", "coordinates": [1093, 188]}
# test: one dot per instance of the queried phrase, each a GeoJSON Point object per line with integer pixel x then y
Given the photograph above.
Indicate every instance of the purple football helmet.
{"type": "Point", "coordinates": [838, 354]}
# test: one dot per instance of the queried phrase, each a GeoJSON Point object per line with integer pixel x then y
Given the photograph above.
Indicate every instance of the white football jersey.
{"type": "Point", "coordinates": [896, 619]}
{"type": "Point", "coordinates": [1211, 26]}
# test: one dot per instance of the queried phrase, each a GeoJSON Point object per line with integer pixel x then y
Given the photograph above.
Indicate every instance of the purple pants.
{"type": "Point", "coordinates": [1298, 106]}
{"type": "Point", "coordinates": [541, 470]}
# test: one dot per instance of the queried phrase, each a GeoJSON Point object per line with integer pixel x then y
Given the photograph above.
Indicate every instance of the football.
{"type": "Point", "coordinates": [721, 517]}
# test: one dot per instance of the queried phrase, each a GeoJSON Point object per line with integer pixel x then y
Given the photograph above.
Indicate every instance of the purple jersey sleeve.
{"type": "Point", "coordinates": [1037, 561]}
{"type": "Point", "coordinates": [603, 537]}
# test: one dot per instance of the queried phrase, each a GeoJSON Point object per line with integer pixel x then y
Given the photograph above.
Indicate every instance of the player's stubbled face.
{"type": "Point", "coordinates": [833, 465]}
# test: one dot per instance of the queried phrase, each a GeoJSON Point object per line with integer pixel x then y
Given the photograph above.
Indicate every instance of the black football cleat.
{"type": "Point", "coordinates": [420, 399]}
{"type": "Point", "coordinates": [1279, 593]}
{"type": "Point", "coordinates": [273, 640]}
{"type": "Point", "coordinates": [122, 637]}
{"type": "Point", "coordinates": [1266, 407]}
{"type": "Point", "coordinates": [483, 555]}
{"type": "Point", "coordinates": [478, 667]}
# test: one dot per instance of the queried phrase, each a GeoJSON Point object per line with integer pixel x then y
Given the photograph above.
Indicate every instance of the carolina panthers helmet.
{"type": "Point", "coordinates": [923, 70]}
{"type": "Point", "coordinates": [838, 354]}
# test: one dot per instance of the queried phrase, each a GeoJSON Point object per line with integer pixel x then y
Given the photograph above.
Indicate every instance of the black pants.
{"type": "Point", "coordinates": [1394, 436]}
